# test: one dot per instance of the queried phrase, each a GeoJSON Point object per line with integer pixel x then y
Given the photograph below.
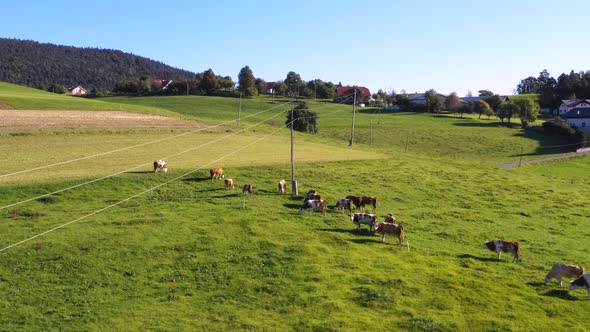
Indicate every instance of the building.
{"type": "Point", "coordinates": [568, 105]}
{"type": "Point", "coordinates": [342, 91]}
{"type": "Point", "coordinates": [76, 90]}
{"type": "Point", "coordinates": [164, 83]}
{"type": "Point", "coordinates": [578, 117]}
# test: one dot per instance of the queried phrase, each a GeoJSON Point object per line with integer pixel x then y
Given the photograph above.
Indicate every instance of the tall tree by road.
{"type": "Point", "coordinates": [481, 107]}
{"type": "Point", "coordinates": [453, 102]}
{"type": "Point", "coordinates": [209, 81]}
{"type": "Point", "coordinates": [433, 101]}
{"type": "Point", "coordinates": [293, 82]}
{"type": "Point", "coordinates": [247, 82]}
{"type": "Point", "coordinates": [528, 110]}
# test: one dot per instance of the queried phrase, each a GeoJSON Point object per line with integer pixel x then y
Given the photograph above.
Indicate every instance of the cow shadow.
{"type": "Point", "coordinates": [140, 172]}
{"type": "Point", "coordinates": [366, 240]}
{"type": "Point", "coordinates": [194, 179]}
{"type": "Point", "coordinates": [228, 195]}
{"type": "Point", "coordinates": [292, 206]}
{"type": "Point", "coordinates": [362, 232]}
{"type": "Point", "coordinates": [482, 259]}
{"type": "Point", "coordinates": [561, 294]}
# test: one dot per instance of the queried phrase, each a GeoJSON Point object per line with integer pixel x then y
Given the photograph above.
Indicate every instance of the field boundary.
{"type": "Point", "coordinates": [534, 161]}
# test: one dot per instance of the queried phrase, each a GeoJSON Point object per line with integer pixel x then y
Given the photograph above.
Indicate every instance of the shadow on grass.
{"type": "Point", "coordinates": [561, 294]}
{"type": "Point", "coordinates": [478, 124]}
{"type": "Point", "coordinates": [368, 240]}
{"type": "Point", "coordinates": [196, 179]}
{"type": "Point", "coordinates": [352, 231]}
{"type": "Point", "coordinates": [482, 259]}
{"type": "Point", "coordinates": [140, 172]}
{"type": "Point", "coordinates": [292, 206]}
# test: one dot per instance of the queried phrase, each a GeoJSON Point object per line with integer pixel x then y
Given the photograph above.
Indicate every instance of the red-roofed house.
{"type": "Point", "coordinates": [342, 93]}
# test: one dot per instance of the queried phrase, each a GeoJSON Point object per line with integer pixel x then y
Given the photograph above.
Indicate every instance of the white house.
{"type": "Point", "coordinates": [76, 90]}
{"type": "Point", "coordinates": [568, 105]}
{"type": "Point", "coordinates": [578, 117]}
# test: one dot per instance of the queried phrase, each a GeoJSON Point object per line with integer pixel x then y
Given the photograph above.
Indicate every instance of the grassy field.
{"type": "Point", "coordinates": [189, 256]}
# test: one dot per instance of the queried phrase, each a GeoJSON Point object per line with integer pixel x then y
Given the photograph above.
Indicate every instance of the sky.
{"type": "Point", "coordinates": [450, 46]}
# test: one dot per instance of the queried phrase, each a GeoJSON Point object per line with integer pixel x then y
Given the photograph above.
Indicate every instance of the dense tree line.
{"type": "Point", "coordinates": [551, 91]}
{"type": "Point", "coordinates": [37, 65]}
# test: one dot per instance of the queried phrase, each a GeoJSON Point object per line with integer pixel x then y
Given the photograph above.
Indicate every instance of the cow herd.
{"type": "Point", "coordinates": [314, 203]}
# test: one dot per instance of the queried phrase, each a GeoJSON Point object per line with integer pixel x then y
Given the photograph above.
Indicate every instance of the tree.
{"type": "Point", "coordinates": [57, 88]}
{"type": "Point", "coordinates": [528, 85]}
{"type": "Point", "coordinates": [528, 110]}
{"type": "Point", "coordinates": [247, 82]}
{"type": "Point", "coordinates": [453, 102]}
{"type": "Point", "coordinates": [209, 81]}
{"type": "Point", "coordinates": [507, 110]}
{"type": "Point", "coordinates": [303, 118]}
{"type": "Point", "coordinates": [481, 107]}
{"type": "Point", "coordinates": [293, 82]}
{"type": "Point", "coordinates": [494, 101]}
{"type": "Point", "coordinates": [433, 101]}
{"type": "Point", "coordinates": [485, 93]}
{"type": "Point", "coordinates": [260, 86]}
{"type": "Point", "coordinates": [226, 82]}
{"type": "Point", "coordinates": [465, 108]}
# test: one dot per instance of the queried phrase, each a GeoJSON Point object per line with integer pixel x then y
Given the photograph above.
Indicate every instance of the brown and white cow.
{"type": "Point", "coordinates": [364, 218]}
{"type": "Point", "coordinates": [369, 200]}
{"type": "Point", "coordinates": [396, 230]}
{"type": "Point", "coordinates": [390, 218]}
{"type": "Point", "coordinates": [344, 203]}
{"type": "Point", "coordinates": [559, 271]}
{"type": "Point", "coordinates": [160, 165]}
{"type": "Point", "coordinates": [314, 205]}
{"type": "Point", "coordinates": [282, 186]}
{"type": "Point", "coordinates": [216, 173]}
{"type": "Point", "coordinates": [247, 189]}
{"type": "Point", "coordinates": [582, 282]}
{"type": "Point", "coordinates": [229, 184]}
{"type": "Point", "coordinates": [499, 246]}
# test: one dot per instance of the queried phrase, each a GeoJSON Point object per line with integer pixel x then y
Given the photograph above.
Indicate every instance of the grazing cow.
{"type": "Point", "coordinates": [356, 200]}
{"type": "Point", "coordinates": [499, 245]}
{"type": "Point", "coordinates": [216, 173]}
{"type": "Point", "coordinates": [582, 282]}
{"type": "Point", "coordinates": [396, 230]}
{"type": "Point", "coordinates": [364, 218]}
{"type": "Point", "coordinates": [282, 186]}
{"type": "Point", "coordinates": [312, 195]}
{"type": "Point", "coordinates": [247, 189]}
{"type": "Point", "coordinates": [366, 200]}
{"type": "Point", "coordinates": [160, 165]}
{"type": "Point", "coordinates": [229, 184]}
{"type": "Point", "coordinates": [390, 219]}
{"type": "Point", "coordinates": [314, 205]}
{"type": "Point", "coordinates": [344, 203]}
{"type": "Point", "coordinates": [559, 271]}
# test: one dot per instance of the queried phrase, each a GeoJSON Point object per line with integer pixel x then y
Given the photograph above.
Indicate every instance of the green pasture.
{"type": "Point", "coordinates": [190, 255]}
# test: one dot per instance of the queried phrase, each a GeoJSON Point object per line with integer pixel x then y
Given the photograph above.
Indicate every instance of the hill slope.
{"type": "Point", "coordinates": [34, 64]}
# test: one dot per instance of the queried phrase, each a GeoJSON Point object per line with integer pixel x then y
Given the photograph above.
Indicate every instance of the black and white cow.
{"type": "Point", "coordinates": [364, 218]}
{"type": "Point", "coordinates": [581, 282]}
{"type": "Point", "coordinates": [344, 203]}
{"type": "Point", "coordinates": [499, 246]}
{"type": "Point", "coordinates": [314, 205]}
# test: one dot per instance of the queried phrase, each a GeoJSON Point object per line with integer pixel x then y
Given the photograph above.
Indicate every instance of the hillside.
{"type": "Point", "coordinates": [34, 64]}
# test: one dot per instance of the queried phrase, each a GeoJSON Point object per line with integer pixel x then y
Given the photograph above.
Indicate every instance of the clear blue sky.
{"type": "Point", "coordinates": [381, 44]}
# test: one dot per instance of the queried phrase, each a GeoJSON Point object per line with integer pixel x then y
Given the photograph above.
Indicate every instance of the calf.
{"type": "Point", "coordinates": [314, 205]}
{"type": "Point", "coordinates": [391, 229]}
{"type": "Point", "coordinates": [282, 186]}
{"type": "Point", "coordinates": [216, 173]}
{"type": "Point", "coordinates": [364, 218]}
{"type": "Point", "coordinates": [312, 195]}
{"type": "Point", "coordinates": [390, 218]}
{"type": "Point", "coordinates": [344, 203]}
{"type": "Point", "coordinates": [229, 184]}
{"type": "Point", "coordinates": [559, 271]}
{"type": "Point", "coordinates": [247, 189]}
{"type": "Point", "coordinates": [160, 165]}
{"type": "Point", "coordinates": [506, 246]}
{"type": "Point", "coordinates": [582, 282]}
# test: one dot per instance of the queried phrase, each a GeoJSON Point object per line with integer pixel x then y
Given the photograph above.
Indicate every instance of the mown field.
{"type": "Point", "coordinates": [189, 255]}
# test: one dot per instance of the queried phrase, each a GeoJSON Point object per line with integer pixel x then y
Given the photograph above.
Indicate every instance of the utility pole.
{"type": "Point", "coordinates": [353, 118]}
{"type": "Point", "coordinates": [293, 181]}
{"type": "Point", "coordinates": [239, 109]}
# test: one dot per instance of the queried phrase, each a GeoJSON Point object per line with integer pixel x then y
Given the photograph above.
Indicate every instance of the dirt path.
{"type": "Point", "coordinates": [534, 161]}
{"type": "Point", "coordinates": [11, 120]}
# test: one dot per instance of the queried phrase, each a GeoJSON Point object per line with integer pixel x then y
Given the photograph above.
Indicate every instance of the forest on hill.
{"type": "Point", "coordinates": [37, 65]}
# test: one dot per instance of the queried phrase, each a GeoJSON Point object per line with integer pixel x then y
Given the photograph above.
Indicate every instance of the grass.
{"type": "Point", "coordinates": [188, 256]}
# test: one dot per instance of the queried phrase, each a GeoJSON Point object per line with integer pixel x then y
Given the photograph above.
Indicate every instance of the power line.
{"type": "Point", "coordinates": [134, 146]}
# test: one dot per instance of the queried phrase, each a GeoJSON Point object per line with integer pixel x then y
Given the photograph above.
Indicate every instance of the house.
{"type": "Point", "coordinates": [578, 117]}
{"type": "Point", "coordinates": [420, 98]}
{"type": "Point", "coordinates": [466, 100]}
{"type": "Point", "coordinates": [270, 88]}
{"type": "Point", "coordinates": [568, 105]}
{"type": "Point", "coordinates": [343, 90]}
{"type": "Point", "coordinates": [76, 90]}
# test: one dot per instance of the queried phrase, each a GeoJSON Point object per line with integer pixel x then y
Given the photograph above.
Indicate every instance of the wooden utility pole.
{"type": "Point", "coordinates": [293, 181]}
{"type": "Point", "coordinates": [353, 119]}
